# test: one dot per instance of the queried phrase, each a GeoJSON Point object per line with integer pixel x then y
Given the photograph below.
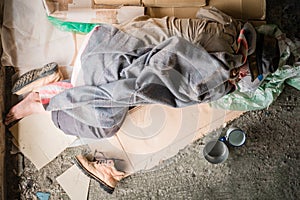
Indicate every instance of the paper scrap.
{"type": "Point", "coordinates": [75, 183]}
{"type": "Point", "coordinates": [39, 139]}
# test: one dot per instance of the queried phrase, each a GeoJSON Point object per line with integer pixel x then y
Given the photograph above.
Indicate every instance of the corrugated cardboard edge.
{"type": "Point", "coordinates": [172, 4]}
{"type": "Point", "coordinates": [239, 9]}
{"type": "Point", "coordinates": [87, 15]}
{"type": "Point", "coordinates": [118, 2]}
{"type": "Point", "coordinates": [152, 3]}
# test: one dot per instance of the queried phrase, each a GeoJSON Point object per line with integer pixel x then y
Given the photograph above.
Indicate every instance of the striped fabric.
{"type": "Point", "coordinates": [48, 91]}
{"type": "Point", "coordinates": [243, 49]}
{"type": "Point", "coordinates": [243, 45]}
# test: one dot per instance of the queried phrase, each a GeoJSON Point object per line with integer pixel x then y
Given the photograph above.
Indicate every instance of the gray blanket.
{"type": "Point", "coordinates": [121, 71]}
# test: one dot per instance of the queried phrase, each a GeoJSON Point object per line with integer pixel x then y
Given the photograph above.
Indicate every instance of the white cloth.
{"type": "Point", "coordinates": [30, 40]}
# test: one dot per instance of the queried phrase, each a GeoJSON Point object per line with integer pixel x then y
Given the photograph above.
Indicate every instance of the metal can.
{"type": "Point", "coordinates": [235, 137]}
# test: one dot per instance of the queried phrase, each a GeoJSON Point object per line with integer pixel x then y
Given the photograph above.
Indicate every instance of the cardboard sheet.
{"type": "Point", "coordinates": [111, 16]}
{"type": "Point", "coordinates": [153, 133]}
{"type": "Point", "coordinates": [118, 2]}
{"type": "Point", "coordinates": [39, 140]}
{"type": "Point", "coordinates": [151, 128]}
{"type": "Point", "coordinates": [186, 12]}
{"type": "Point", "coordinates": [242, 9]}
{"type": "Point", "coordinates": [174, 3]}
{"type": "Point", "coordinates": [239, 9]}
{"type": "Point", "coordinates": [89, 12]}
{"type": "Point", "coordinates": [74, 183]}
{"type": "Point", "coordinates": [77, 11]}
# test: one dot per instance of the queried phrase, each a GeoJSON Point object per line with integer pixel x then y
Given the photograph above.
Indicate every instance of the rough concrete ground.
{"type": "Point", "coordinates": [266, 167]}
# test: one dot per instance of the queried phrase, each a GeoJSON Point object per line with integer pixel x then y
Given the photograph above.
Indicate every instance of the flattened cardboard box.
{"type": "Point", "coordinates": [101, 15]}
{"type": "Point", "coordinates": [153, 3]}
{"type": "Point", "coordinates": [118, 11]}
{"type": "Point", "coordinates": [119, 2]}
{"type": "Point", "coordinates": [242, 9]}
{"type": "Point", "coordinates": [174, 3]}
{"type": "Point", "coordinates": [239, 9]}
{"type": "Point", "coordinates": [86, 11]}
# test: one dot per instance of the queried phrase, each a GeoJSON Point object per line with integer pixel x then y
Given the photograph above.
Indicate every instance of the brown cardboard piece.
{"type": "Point", "coordinates": [101, 15]}
{"type": "Point", "coordinates": [87, 12]}
{"type": "Point", "coordinates": [75, 183]}
{"type": "Point", "coordinates": [242, 9]}
{"type": "Point", "coordinates": [98, 11]}
{"type": "Point", "coordinates": [186, 12]}
{"type": "Point", "coordinates": [42, 142]}
{"type": "Point", "coordinates": [153, 3]}
{"type": "Point", "coordinates": [174, 3]}
{"type": "Point", "coordinates": [118, 2]}
{"type": "Point", "coordinates": [239, 9]}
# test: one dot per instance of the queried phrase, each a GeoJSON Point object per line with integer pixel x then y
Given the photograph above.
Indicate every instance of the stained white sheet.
{"type": "Point", "coordinates": [30, 40]}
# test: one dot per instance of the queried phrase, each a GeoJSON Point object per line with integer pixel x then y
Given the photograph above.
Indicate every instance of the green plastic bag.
{"type": "Point", "coordinates": [76, 27]}
{"type": "Point", "coordinates": [273, 84]}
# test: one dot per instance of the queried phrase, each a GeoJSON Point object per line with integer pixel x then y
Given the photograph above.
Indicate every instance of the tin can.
{"type": "Point", "coordinates": [215, 152]}
{"type": "Point", "coordinates": [235, 137]}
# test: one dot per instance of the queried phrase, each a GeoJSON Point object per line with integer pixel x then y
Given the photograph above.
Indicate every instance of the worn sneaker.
{"type": "Point", "coordinates": [49, 73]}
{"type": "Point", "coordinates": [103, 171]}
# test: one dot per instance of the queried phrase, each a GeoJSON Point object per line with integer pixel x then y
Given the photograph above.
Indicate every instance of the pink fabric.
{"type": "Point", "coordinates": [243, 45]}
{"type": "Point", "coordinates": [48, 91]}
{"type": "Point", "coordinates": [243, 49]}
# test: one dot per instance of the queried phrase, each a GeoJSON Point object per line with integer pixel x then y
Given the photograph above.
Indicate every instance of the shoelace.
{"type": "Point", "coordinates": [102, 159]}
